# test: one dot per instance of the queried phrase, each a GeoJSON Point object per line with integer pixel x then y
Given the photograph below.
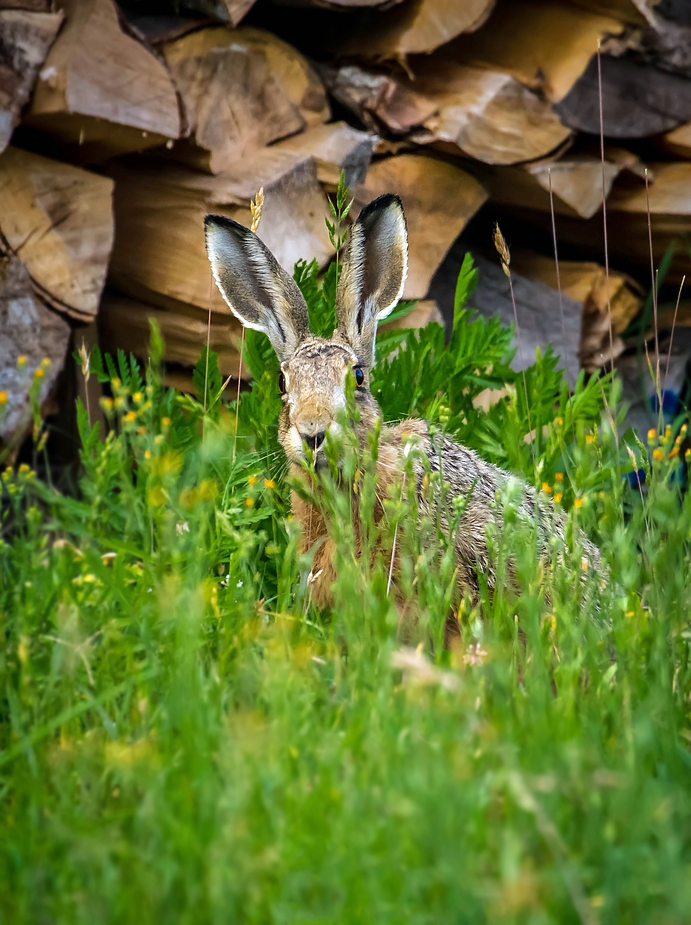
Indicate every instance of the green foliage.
{"type": "Point", "coordinates": [185, 737]}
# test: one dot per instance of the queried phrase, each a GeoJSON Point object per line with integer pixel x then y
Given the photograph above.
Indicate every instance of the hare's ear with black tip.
{"type": "Point", "coordinates": [375, 266]}
{"type": "Point", "coordinates": [258, 291]}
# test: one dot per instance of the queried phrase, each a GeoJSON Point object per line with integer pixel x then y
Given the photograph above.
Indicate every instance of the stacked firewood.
{"type": "Point", "coordinates": [122, 125]}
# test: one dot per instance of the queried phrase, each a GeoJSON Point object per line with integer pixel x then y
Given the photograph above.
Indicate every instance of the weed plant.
{"type": "Point", "coordinates": [185, 738]}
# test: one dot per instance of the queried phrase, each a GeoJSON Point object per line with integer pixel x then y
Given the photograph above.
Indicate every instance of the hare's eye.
{"type": "Point", "coordinates": [281, 383]}
{"type": "Point", "coordinates": [359, 376]}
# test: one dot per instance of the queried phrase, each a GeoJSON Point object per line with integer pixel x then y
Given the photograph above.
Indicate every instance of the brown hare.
{"type": "Point", "coordinates": [313, 384]}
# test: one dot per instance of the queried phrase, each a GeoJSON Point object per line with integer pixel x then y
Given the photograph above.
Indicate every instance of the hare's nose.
{"type": "Point", "coordinates": [314, 441]}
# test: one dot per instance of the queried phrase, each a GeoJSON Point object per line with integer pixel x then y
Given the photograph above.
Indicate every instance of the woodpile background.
{"type": "Point", "coordinates": [121, 125]}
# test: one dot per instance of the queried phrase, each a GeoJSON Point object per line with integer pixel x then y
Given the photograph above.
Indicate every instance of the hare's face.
{"type": "Point", "coordinates": [313, 385]}
{"type": "Point", "coordinates": [314, 371]}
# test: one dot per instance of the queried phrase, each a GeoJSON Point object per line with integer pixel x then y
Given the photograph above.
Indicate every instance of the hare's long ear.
{"type": "Point", "coordinates": [258, 291]}
{"type": "Point", "coordinates": [375, 266]}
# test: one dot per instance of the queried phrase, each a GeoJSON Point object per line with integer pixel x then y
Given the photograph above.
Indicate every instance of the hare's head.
{"type": "Point", "coordinates": [314, 371]}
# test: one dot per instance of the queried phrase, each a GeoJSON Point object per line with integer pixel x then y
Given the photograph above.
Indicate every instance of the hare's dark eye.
{"type": "Point", "coordinates": [359, 376]}
{"type": "Point", "coordinates": [281, 383]}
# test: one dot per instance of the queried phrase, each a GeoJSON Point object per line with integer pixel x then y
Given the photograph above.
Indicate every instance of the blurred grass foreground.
{"type": "Point", "coordinates": [185, 738]}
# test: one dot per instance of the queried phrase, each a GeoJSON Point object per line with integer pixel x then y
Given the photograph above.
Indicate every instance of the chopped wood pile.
{"type": "Point", "coordinates": [123, 123]}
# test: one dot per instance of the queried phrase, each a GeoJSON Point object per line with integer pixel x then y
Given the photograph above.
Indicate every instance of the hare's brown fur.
{"type": "Point", "coordinates": [314, 372]}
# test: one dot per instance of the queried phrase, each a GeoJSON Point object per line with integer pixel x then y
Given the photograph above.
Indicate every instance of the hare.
{"type": "Point", "coordinates": [312, 381]}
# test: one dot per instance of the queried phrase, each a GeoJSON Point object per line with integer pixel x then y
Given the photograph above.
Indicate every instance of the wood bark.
{"type": "Point", "coordinates": [378, 99]}
{"type": "Point", "coordinates": [30, 330]}
{"type": "Point", "coordinates": [25, 38]}
{"type": "Point", "coordinates": [59, 220]}
{"type": "Point", "coordinates": [637, 100]}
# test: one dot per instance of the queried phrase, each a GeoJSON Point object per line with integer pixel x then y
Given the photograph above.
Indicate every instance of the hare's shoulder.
{"type": "Point", "coordinates": [459, 465]}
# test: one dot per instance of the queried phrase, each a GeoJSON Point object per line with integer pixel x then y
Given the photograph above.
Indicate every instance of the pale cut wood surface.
{"type": "Point", "coordinates": [545, 45]}
{"type": "Point", "coordinates": [242, 90]}
{"type": "Point", "coordinates": [59, 220]}
{"type": "Point", "coordinates": [95, 71]}
{"type": "Point", "coordinates": [416, 26]}
{"type": "Point", "coordinates": [487, 114]}
{"type": "Point", "coordinates": [335, 147]}
{"type": "Point", "coordinates": [576, 182]}
{"type": "Point", "coordinates": [25, 38]}
{"type": "Point", "coordinates": [159, 254]}
{"type": "Point", "coordinates": [124, 323]}
{"type": "Point", "coordinates": [439, 199]}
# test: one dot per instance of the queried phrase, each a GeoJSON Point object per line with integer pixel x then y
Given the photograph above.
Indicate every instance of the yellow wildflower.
{"type": "Point", "coordinates": [652, 435]}
{"type": "Point", "coordinates": [141, 430]}
{"type": "Point", "coordinates": [558, 497]}
{"type": "Point", "coordinates": [252, 480]}
{"type": "Point", "coordinates": [578, 502]}
{"type": "Point", "coordinates": [547, 488]}
{"type": "Point", "coordinates": [559, 477]}
{"type": "Point", "coordinates": [249, 502]}
{"type": "Point", "coordinates": [165, 422]}
{"type": "Point", "coordinates": [147, 454]}
{"type": "Point", "coordinates": [130, 416]}
{"type": "Point", "coordinates": [119, 402]}
{"type": "Point", "coordinates": [45, 362]}
{"type": "Point", "coordinates": [674, 452]}
{"type": "Point", "coordinates": [137, 396]}
{"type": "Point", "coordinates": [115, 383]}
{"type": "Point", "coordinates": [21, 361]}
{"type": "Point", "coordinates": [658, 455]}
{"type": "Point", "coordinates": [589, 438]}
{"type": "Point", "coordinates": [107, 404]}
{"type": "Point", "coordinates": [3, 397]}
{"type": "Point", "coordinates": [269, 483]}
{"type": "Point", "coordinates": [39, 373]}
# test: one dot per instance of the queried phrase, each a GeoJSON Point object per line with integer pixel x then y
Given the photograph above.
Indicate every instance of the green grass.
{"type": "Point", "coordinates": [185, 738]}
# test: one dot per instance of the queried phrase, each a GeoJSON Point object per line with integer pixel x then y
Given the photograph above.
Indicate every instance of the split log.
{"type": "Point", "coordinates": [678, 141]}
{"type": "Point", "coordinates": [632, 12]}
{"type": "Point", "coordinates": [543, 318]}
{"type": "Point", "coordinates": [627, 224]}
{"type": "Point", "coordinates": [28, 329]}
{"type": "Point", "coordinates": [637, 100]}
{"type": "Point", "coordinates": [576, 180]}
{"type": "Point", "coordinates": [378, 99]}
{"type": "Point", "coordinates": [159, 254]}
{"type": "Point", "coordinates": [587, 283]}
{"type": "Point", "coordinates": [124, 323]}
{"type": "Point", "coordinates": [415, 26]}
{"type": "Point", "coordinates": [486, 114]}
{"type": "Point", "coordinates": [545, 45]}
{"type": "Point", "coordinates": [439, 199]}
{"type": "Point", "coordinates": [335, 147]}
{"type": "Point", "coordinates": [100, 91]}
{"type": "Point", "coordinates": [59, 219]}
{"type": "Point", "coordinates": [242, 90]}
{"type": "Point", "coordinates": [25, 38]}
{"type": "Point", "coordinates": [340, 5]}
{"type": "Point", "coordinates": [228, 11]}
